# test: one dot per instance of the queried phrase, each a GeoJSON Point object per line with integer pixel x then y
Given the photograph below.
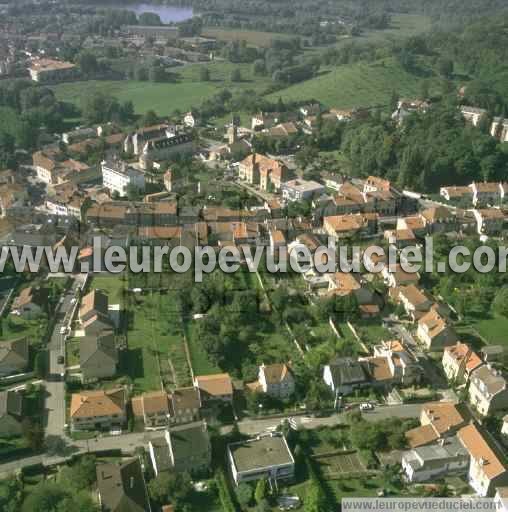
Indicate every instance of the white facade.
{"type": "Point", "coordinates": [116, 178]}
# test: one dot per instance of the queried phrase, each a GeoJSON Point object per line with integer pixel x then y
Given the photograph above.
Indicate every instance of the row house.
{"type": "Point", "coordinates": [457, 194]}
{"type": "Point", "coordinates": [185, 448]}
{"type": "Point", "coordinates": [488, 390]}
{"type": "Point", "coordinates": [347, 226]}
{"type": "Point", "coordinates": [260, 169]}
{"type": "Point", "coordinates": [438, 421]}
{"type": "Point", "coordinates": [487, 469]}
{"type": "Point", "coordinates": [416, 302]}
{"type": "Point", "coordinates": [487, 193]}
{"type": "Point", "coordinates": [98, 410]}
{"type": "Point", "coordinates": [459, 361]}
{"type": "Point", "coordinates": [435, 332]}
{"type": "Point", "coordinates": [430, 462]}
{"type": "Point", "coordinates": [438, 220]}
{"type": "Point", "coordinates": [403, 366]}
{"type": "Point", "coordinates": [489, 221]}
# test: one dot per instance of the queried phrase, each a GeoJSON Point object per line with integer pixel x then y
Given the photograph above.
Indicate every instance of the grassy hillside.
{"type": "Point", "coordinates": [354, 85]}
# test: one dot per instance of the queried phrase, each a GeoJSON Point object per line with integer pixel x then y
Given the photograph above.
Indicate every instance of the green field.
{"type": "Point", "coordinates": [253, 37]}
{"type": "Point", "coordinates": [494, 330]}
{"type": "Point", "coordinates": [356, 85]}
{"type": "Point", "coordinates": [164, 98]}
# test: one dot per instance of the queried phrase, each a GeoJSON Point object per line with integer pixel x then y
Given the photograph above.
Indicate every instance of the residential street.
{"type": "Point", "coordinates": [54, 413]}
{"type": "Point", "coordinates": [253, 427]}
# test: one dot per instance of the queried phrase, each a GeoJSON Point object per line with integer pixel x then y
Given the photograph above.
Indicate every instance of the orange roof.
{"type": "Point", "coordinates": [277, 236]}
{"type": "Point", "coordinates": [344, 282]}
{"type": "Point", "coordinates": [480, 450]}
{"type": "Point", "coordinates": [215, 385]}
{"type": "Point", "coordinates": [434, 323]}
{"type": "Point", "coordinates": [379, 183]}
{"type": "Point", "coordinates": [445, 416]}
{"type": "Point", "coordinates": [421, 436]}
{"type": "Point", "coordinates": [462, 352]}
{"type": "Point", "coordinates": [379, 368]}
{"type": "Point", "coordinates": [89, 404]}
{"type": "Point", "coordinates": [155, 402]}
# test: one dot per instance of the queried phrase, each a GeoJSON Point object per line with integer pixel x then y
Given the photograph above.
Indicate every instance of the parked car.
{"type": "Point", "coordinates": [63, 330]}
{"type": "Point", "coordinates": [366, 407]}
{"type": "Point", "coordinates": [60, 360]}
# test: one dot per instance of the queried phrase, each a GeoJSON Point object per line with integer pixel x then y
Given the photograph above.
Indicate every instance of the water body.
{"type": "Point", "coordinates": [167, 13]}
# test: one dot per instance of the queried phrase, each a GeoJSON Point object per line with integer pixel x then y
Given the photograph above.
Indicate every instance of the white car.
{"type": "Point", "coordinates": [63, 330]}
{"type": "Point", "coordinates": [366, 407]}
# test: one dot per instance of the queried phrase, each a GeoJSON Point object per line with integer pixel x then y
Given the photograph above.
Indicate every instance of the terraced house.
{"type": "Point", "coordinates": [98, 410]}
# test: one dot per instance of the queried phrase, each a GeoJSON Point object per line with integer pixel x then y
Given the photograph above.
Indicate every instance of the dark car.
{"type": "Point", "coordinates": [60, 360]}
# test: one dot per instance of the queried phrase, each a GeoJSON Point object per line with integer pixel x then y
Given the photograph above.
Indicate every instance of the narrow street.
{"type": "Point", "coordinates": [54, 412]}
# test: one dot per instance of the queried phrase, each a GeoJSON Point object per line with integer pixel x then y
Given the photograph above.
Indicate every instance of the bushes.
{"type": "Point", "coordinates": [226, 499]}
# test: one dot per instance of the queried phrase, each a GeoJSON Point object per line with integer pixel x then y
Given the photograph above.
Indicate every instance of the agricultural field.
{"type": "Point", "coordinates": [355, 85]}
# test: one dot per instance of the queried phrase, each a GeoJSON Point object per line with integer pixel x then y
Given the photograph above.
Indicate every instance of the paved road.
{"type": "Point", "coordinates": [127, 443]}
{"type": "Point", "coordinates": [54, 413]}
{"type": "Point", "coordinates": [253, 427]}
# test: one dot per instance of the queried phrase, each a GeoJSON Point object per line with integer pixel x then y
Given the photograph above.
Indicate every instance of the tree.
{"type": "Point", "coordinates": [236, 75]}
{"type": "Point", "coordinates": [244, 494]}
{"type": "Point", "coordinates": [40, 364]}
{"type": "Point", "coordinates": [315, 500]}
{"type": "Point", "coordinates": [204, 74]}
{"type": "Point", "coordinates": [149, 18]}
{"type": "Point", "coordinates": [150, 118]}
{"type": "Point", "coordinates": [445, 67]}
{"type": "Point", "coordinates": [33, 433]}
{"type": "Point", "coordinates": [10, 494]}
{"type": "Point", "coordinates": [87, 63]}
{"type": "Point", "coordinates": [55, 445]}
{"type": "Point", "coordinates": [261, 491]}
{"type": "Point", "coordinates": [172, 487]}
{"type": "Point", "coordinates": [500, 304]}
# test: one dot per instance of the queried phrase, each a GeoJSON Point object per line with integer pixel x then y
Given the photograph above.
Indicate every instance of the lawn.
{"type": "Point", "coordinates": [494, 330]}
{"type": "Point", "coordinates": [112, 286]}
{"type": "Point", "coordinates": [253, 37]}
{"type": "Point", "coordinates": [354, 85]}
{"type": "Point", "coordinates": [15, 327]}
{"type": "Point", "coordinates": [164, 98]}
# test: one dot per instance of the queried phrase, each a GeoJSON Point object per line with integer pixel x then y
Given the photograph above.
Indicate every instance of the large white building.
{"type": "Point", "coordinates": [117, 176]}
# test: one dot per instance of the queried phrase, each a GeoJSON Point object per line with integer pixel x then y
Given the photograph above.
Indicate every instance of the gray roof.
{"type": "Point", "coordinates": [190, 440]}
{"type": "Point", "coordinates": [102, 345]}
{"type": "Point", "coordinates": [489, 380]}
{"type": "Point", "coordinates": [122, 487]}
{"type": "Point", "coordinates": [14, 349]}
{"type": "Point", "coordinates": [11, 403]}
{"type": "Point", "coordinates": [161, 454]}
{"type": "Point", "coordinates": [347, 371]}
{"type": "Point", "coordinates": [257, 454]}
{"type": "Point", "coordinates": [436, 455]}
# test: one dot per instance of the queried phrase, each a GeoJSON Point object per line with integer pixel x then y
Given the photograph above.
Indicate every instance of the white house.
{"type": "Point", "coordinates": [117, 176]}
{"type": "Point", "coordinates": [426, 463]}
